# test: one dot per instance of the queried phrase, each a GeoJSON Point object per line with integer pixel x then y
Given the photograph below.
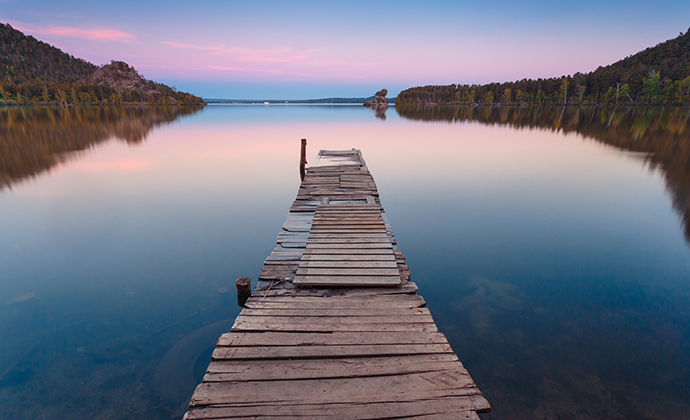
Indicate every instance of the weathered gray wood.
{"type": "Point", "coordinates": [362, 240]}
{"type": "Point", "coordinates": [310, 352]}
{"type": "Point", "coordinates": [456, 408]}
{"type": "Point", "coordinates": [363, 272]}
{"type": "Point", "coordinates": [347, 257]}
{"type": "Point", "coordinates": [274, 370]}
{"type": "Point", "coordinates": [338, 299]}
{"type": "Point", "coordinates": [247, 324]}
{"type": "Point", "coordinates": [354, 301]}
{"type": "Point", "coordinates": [369, 312]}
{"type": "Point", "coordinates": [328, 319]}
{"type": "Point", "coordinates": [314, 235]}
{"type": "Point", "coordinates": [410, 387]}
{"type": "Point", "coordinates": [348, 251]}
{"type": "Point", "coordinates": [346, 281]}
{"type": "Point", "coordinates": [348, 264]}
{"type": "Point", "coordinates": [378, 245]}
{"type": "Point", "coordinates": [272, 338]}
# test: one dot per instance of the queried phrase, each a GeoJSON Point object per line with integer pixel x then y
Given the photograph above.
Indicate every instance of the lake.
{"type": "Point", "coordinates": [551, 245]}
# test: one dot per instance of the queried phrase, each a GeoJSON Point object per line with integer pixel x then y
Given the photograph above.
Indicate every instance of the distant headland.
{"type": "Point", "coordinates": [658, 75]}
{"type": "Point", "coordinates": [38, 73]}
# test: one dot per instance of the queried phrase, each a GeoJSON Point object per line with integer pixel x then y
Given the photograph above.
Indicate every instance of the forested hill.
{"type": "Point", "coordinates": [36, 72]}
{"type": "Point", "coordinates": [657, 75]}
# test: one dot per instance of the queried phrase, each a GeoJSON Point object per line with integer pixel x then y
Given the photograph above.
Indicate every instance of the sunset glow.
{"type": "Point", "coordinates": [300, 50]}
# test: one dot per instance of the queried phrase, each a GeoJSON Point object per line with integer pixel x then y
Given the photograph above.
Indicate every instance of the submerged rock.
{"type": "Point", "coordinates": [22, 298]}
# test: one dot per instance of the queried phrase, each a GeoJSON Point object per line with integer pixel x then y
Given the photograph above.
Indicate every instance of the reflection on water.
{"type": "Point", "coordinates": [557, 324]}
{"type": "Point", "coordinates": [33, 140]}
{"type": "Point", "coordinates": [556, 266]}
{"type": "Point", "coordinates": [662, 134]}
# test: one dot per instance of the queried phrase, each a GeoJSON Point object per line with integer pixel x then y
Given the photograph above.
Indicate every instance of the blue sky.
{"type": "Point", "coordinates": [308, 49]}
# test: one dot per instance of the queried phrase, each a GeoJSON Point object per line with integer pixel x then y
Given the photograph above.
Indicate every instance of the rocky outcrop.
{"type": "Point", "coordinates": [379, 100]}
{"type": "Point", "coordinates": [118, 75]}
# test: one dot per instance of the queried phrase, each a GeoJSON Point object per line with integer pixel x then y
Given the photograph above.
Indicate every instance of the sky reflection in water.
{"type": "Point", "coordinates": [555, 264]}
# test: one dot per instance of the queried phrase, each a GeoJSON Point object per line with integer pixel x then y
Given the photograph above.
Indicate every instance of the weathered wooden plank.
{"type": "Point", "coordinates": [362, 240]}
{"type": "Point", "coordinates": [348, 251]}
{"type": "Point", "coordinates": [361, 312]}
{"type": "Point", "coordinates": [348, 264]}
{"type": "Point", "coordinates": [342, 338]}
{"type": "Point", "coordinates": [257, 303]}
{"type": "Point", "coordinates": [327, 319]}
{"type": "Point", "coordinates": [378, 245]}
{"type": "Point", "coordinates": [363, 272]}
{"type": "Point", "coordinates": [457, 408]}
{"type": "Point", "coordinates": [347, 235]}
{"type": "Point", "coordinates": [349, 230]}
{"type": "Point", "coordinates": [340, 224]}
{"type": "Point", "coordinates": [347, 257]}
{"type": "Point", "coordinates": [294, 244]}
{"type": "Point", "coordinates": [260, 324]}
{"type": "Point", "coordinates": [406, 287]}
{"type": "Point", "coordinates": [282, 258]}
{"type": "Point", "coordinates": [312, 352]}
{"type": "Point", "coordinates": [410, 387]}
{"type": "Point", "coordinates": [348, 215]}
{"type": "Point", "coordinates": [346, 281]}
{"type": "Point", "coordinates": [353, 209]}
{"type": "Point", "coordinates": [278, 272]}
{"type": "Point", "coordinates": [276, 369]}
{"type": "Point", "coordinates": [337, 299]}
{"type": "Point", "coordinates": [350, 300]}
{"type": "Point", "coordinates": [340, 210]}
{"type": "Point", "coordinates": [348, 220]}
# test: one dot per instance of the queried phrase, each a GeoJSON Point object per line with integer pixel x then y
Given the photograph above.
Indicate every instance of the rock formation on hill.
{"type": "Point", "coordinates": [118, 75]}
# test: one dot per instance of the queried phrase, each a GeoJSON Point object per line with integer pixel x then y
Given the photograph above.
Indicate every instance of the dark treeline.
{"type": "Point", "coordinates": [657, 75]}
{"type": "Point", "coordinates": [35, 139]}
{"type": "Point", "coordinates": [34, 72]}
{"type": "Point", "coordinates": [661, 133]}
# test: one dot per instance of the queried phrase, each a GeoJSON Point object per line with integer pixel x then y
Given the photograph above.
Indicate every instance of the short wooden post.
{"type": "Point", "coordinates": [244, 290]}
{"type": "Point", "coordinates": [303, 159]}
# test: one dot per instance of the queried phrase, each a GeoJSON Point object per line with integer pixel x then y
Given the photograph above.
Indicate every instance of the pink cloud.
{"type": "Point", "coordinates": [176, 44]}
{"type": "Point", "coordinates": [353, 76]}
{"type": "Point", "coordinates": [94, 34]}
{"type": "Point", "coordinates": [226, 68]}
{"type": "Point", "coordinates": [284, 55]}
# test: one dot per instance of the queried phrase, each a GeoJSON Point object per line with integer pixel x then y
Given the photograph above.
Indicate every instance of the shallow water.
{"type": "Point", "coordinates": [549, 244]}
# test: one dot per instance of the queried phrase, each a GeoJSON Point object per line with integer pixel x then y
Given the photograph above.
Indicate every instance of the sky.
{"type": "Point", "coordinates": [315, 49]}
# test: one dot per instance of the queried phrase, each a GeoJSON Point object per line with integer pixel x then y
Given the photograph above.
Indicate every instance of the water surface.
{"type": "Point", "coordinates": [550, 245]}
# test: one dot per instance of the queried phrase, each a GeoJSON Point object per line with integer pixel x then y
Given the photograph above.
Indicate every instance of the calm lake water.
{"type": "Point", "coordinates": [550, 244]}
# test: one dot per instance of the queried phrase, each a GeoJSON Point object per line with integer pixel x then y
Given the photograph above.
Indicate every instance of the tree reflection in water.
{"type": "Point", "coordinates": [33, 140]}
{"type": "Point", "coordinates": [662, 134]}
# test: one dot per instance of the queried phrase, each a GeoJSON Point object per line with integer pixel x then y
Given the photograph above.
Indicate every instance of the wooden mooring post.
{"type": "Point", "coordinates": [244, 290]}
{"type": "Point", "coordinates": [335, 328]}
{"type": "Point", "coordinates": [303, 159]}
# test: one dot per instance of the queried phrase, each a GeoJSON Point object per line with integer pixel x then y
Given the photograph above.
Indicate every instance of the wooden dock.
{"type": "Point", "coordinates": [335, 328]}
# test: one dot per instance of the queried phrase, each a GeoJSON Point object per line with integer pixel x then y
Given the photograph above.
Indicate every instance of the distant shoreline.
{"type": "Point", "coordinates": [273, 103]}
{"type": "Point", "coordinates": [324, 101]}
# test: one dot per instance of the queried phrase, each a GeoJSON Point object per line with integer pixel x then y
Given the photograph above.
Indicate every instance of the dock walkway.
{"type": "Point", "coordinates": [335, 329]}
